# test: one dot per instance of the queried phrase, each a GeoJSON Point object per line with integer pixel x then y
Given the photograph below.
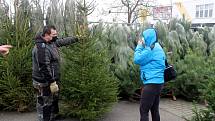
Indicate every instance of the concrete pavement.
{"type": "Point", "coordinates": [123, 111]}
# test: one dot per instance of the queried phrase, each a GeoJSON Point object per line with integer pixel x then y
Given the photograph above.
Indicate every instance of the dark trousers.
{"type": "Point", "coordinates": [55, 107]}
{"type": "Point", "coordinates": [47, 104]}
{"type": "Point", "coordinates": [149, 101]}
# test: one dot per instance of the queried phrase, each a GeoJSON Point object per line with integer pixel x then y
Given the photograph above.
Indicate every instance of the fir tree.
{"type": "Point", "coordinates": [89, 87]}
{"type": "Point", "coordinates": [16, 92]}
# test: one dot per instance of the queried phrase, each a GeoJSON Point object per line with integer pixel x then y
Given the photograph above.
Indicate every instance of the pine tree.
{"type": "Point", "coordinates": [16, 92]}
{"type": "Point", "coordinates": [89, 88]}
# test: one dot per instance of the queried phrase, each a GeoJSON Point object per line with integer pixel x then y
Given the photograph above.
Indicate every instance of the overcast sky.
{"type": "Point", "coordinates": [103, 6]}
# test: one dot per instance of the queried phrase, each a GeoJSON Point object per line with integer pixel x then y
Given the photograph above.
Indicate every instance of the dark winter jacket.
{"type": "Point", "coordinates": [46, 59]}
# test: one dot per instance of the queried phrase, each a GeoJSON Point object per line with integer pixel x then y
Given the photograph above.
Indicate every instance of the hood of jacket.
{"type": "Point", "coordinates": [39, 39]}
{"type": "Point", "coordinates": [150, 37]}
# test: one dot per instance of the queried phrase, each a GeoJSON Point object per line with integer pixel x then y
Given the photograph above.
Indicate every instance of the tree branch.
{"type": "Point", "coordinates": [123, 2]}
{"type": "Point", "coordinates": [135, 6]}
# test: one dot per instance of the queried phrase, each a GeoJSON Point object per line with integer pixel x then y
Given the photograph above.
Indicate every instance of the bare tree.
{"type": "Point", "coordinates": [134, 9]}
{"type": "Point", "coordinates": [131, 7]}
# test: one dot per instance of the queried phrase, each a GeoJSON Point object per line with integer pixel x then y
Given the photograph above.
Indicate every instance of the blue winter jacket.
{"type": "Point", "coordinates": [151, 59]}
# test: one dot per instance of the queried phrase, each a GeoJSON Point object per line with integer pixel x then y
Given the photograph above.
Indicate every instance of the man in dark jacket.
{"type": "Point", "coordinates": [46, 71]}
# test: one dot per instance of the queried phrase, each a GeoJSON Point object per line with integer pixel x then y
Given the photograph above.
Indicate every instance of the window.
{"type": "Point", "coordinates": [197, 11]}
{"type": "Point", "coordinates": [204, 11]}
{"type": "Point", "coordinates": [201, 11]}
{"type": "Point", "coordinates": [211, 10]}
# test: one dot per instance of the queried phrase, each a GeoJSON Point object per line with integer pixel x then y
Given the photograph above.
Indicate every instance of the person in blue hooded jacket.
{"type": "Point", "coordinates": [151, 58]}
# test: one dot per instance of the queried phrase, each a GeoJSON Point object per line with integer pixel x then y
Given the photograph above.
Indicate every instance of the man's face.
{"type": "Point", "coordinates": [53, 34]}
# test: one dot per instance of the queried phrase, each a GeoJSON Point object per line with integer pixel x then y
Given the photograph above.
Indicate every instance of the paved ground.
{"type": "Point", "coordinates": [123, 111]}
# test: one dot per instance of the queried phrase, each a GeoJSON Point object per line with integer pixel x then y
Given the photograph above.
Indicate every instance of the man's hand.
{"type": "Point", "coordinates": [54, 87]}
{"type": "Point", "coordinates": [4, 49]}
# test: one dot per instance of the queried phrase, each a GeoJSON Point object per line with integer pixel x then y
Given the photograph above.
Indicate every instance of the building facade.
{"type": "Point", "coordinates": [199, 12]}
